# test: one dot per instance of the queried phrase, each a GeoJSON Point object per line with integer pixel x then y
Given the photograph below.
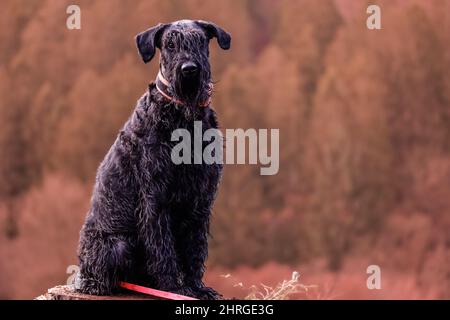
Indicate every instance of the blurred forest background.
{"type": "Point", "coordinates": [364, 119]}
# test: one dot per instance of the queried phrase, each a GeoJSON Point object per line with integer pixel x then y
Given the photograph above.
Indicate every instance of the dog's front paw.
{"type": "Point", "coordinates": [207, 293]}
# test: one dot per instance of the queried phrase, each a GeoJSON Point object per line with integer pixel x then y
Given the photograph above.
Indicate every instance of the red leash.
{"type": "Point", "coordinates": [154, 292]}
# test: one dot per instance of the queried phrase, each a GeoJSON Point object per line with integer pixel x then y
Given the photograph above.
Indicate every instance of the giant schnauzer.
{"type": "Point", "coordinates": [149, 218]}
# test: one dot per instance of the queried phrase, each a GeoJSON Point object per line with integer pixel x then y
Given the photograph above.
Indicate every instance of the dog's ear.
{"type": "Point", "coordinates": [147, 41]}
{"type": "Point", "coordinates": [212, 30]}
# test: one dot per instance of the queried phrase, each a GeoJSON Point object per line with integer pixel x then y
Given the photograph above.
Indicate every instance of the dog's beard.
{"type": "Point", "coordinates": [192, 91]}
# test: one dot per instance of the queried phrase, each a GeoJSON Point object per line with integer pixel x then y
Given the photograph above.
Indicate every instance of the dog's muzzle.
{"type": "Point", "coordinates": [163, 87]}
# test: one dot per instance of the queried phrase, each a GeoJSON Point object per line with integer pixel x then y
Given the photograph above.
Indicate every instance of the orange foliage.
{"type": "Point", "coordinates": [364, 123]}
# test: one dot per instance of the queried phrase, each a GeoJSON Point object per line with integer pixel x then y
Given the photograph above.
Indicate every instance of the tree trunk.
{"type": "Point", "coordinates": [68, 293]}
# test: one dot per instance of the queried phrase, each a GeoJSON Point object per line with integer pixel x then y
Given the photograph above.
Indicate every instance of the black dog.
{"type": "Point", "coordinates": [149, 219]}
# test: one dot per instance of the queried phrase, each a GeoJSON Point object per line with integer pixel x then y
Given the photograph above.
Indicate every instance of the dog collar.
{"type": "Point", "coordinates": [163, 86]}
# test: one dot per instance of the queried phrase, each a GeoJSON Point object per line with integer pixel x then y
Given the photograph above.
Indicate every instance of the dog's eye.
{"type": "Point", "coordinates": [171, 45]}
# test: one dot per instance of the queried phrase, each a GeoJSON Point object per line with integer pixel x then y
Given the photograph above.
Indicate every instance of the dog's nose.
{"type": "Point", "coordinates": [189, 69]}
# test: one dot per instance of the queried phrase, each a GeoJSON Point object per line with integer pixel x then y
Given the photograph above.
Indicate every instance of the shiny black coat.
{"type": "Point", "coordinates": [149, 219]}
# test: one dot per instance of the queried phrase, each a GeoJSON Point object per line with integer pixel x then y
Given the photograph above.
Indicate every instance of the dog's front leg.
{"type": "Point", "coordinates": [156, 232]}
{"type": "Point", "coordinates": [193, 252]}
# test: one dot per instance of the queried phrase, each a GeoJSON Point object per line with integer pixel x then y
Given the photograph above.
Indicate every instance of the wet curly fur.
{"type": "Point", "coordinates": [149, 218]}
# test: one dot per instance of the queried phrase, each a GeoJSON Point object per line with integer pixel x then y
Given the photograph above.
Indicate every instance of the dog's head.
{"type": "Point", "coordinates": [184, 54]}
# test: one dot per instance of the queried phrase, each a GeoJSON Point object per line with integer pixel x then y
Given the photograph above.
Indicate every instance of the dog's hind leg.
{"type": "Point", "coordinates": [104, 261]}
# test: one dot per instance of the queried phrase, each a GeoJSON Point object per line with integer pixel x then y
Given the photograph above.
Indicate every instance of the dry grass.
{"type": "Point", "coordinates": [283, 291]}
{"type": "Point", "coordinates": [348, 283]}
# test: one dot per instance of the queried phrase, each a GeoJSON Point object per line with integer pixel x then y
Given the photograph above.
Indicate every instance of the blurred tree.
{"type": "Point", "coordinates": [95, 115]}
{"type": "Point", "coordinates": [14, 17]}
{"type": "Point", "coordinates": [419, 116]}
{"type": "Point", "coordinates": [19, 167]}
{"type": "Point", "coordinates": [305, 30]}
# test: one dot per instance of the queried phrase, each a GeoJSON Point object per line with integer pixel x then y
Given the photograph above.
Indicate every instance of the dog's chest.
{"type": "Point", "coordinates": [196, 178]}
{"type": "Point", "coordinates": [190, 181]}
